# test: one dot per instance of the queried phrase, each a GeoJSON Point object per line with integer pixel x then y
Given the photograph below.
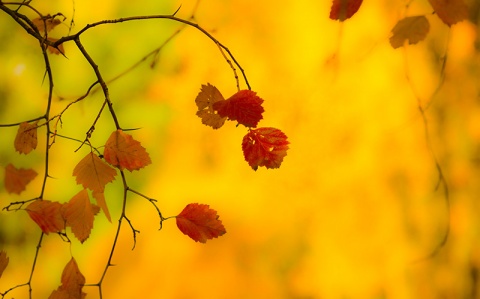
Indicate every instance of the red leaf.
{"type": "Point", "coordinates": [344, 9]}
{"type": "Point", "coordinates": [244, 106]}
{"type": "Point", "coordinates": [72, 283]}
{"type": "Point", "coordinates": [413, 29]}
{"type": "Point", "coordinates": [200, 223]}
{"type": "Point", "coordinates": [16, 180]}
{"type": "Point", "coordinates": [208, 96]}
{"type": "Point", "coordinates": [450, 11]}
{"type": "Point", "coordinates": [79, 213]}
{"type": "Point", "coordinates": [93, 173]}
{"type": "Point", "coordinates": [47, 215]}
{"type": "Point", "coordinates": [124, 152]}
{"type": "Point", "coordinates": [26, 138]}
{"type": "Point", "coordinates": [3, 262]}
{"type": "Point", "coordinates": [265, 147]}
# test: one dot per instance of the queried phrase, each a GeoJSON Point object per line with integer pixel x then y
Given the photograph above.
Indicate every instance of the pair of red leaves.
{"type": "Point", "coordinates": [261, 147]}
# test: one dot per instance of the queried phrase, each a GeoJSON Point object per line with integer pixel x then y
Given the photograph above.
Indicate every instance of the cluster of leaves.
{"type": "Point", "coordinates": [261, 146]}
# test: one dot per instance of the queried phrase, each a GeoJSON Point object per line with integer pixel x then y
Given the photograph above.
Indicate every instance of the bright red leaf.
{"type": "Point", "coordinates": [244, 106]}
{"type": "Point", "coordinates": [93, 173]}
{"type": "Point", "coordinates": [414, 29]}
{"type": "Point", "coordinates": [344, 9]}
{"type": "Point", "coordinates": [208, 96]}
{"type": "Point", "coordinates": [26, 138]}
{"type": "Point", "coordinates": [265, 147]}
{"type": "Point", "coordinates": [47, 215]}
{"type": "Point", "coordinates": [200, 223]}
{"type": "Point", "coordinates": [72, 283]}
{"type": "Point", "coordinates": [16, 180]}
{"type": "Point", "coordinates": [79, 214]}
{"type": "Point", "coordinates": [124, 152]}
{"type": "Point", "coordinates": [450, 11]}
{"type": "Point", "coordinates": [3, 262]}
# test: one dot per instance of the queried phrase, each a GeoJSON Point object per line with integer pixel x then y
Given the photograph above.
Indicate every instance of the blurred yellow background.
{"type": "Point", "coordinates": [353, 212]}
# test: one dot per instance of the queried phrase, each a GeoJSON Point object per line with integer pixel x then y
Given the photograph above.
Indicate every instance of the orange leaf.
{"type": "Point", "coordinates": [413, 29]}
{"type": "Point", "coordinates": [72, 283]}
{"type": "Point", "coordinates": [47, 215]}
{"type": "Point", "coordinates": [344, 9]}
{"type": "Point", "coordinates": [265, 147]}
{"type": "Point", "coordinates": [79, 213]}
{"type": "Point", "coordinates": [93, 173]}
{"type": "Point", "coordinates": [16, 180]}
{"type": "Point", "coordinates": [47, 22]}
{"type": "Point", "coordinates": [26, 139]}
{"type": "Point", "coordinates": [124, 152]}
{"type": "Point", "coordinates": [58, 50]}
{"type": "Point", "coordinates": [208, 96]}
{"type": "Point", "coordinates": [450, 11]}
{"type": "Point", "coordinates": [3, 262]}
{"type": "Point", "coordinates": [244, 106]}
{"type": "Point", "coordinates": [100, 197]}
{"type": "Point", "coordinates": [200, 223]}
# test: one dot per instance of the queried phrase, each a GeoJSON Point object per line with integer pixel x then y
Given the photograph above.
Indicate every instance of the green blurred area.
{"type": "Point", "coordinates": [354, 210]}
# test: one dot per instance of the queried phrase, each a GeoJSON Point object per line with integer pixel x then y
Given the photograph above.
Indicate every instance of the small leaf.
{"type": "Point", "coordinates": [57, 51]}
{"type": "Point", "coordinates": [72, 283]}
{"type": "Point", "coordinates": [79, 214]}
{"type": "Point", "coordinates": [3, 262]}
{"type": "Point", "coordinates": [47, 215]}
{"type": "Point", "coordinates": [450, 11]}
{"type": "Point", "coordinates": [26, 138]}
{"type": "Point", "coordinates": [124, 152]}
{"type": "Point", "coordinates": [414, 29]}
{"type": "Point", "coordinates": [200, 223]}
{"type": "Point", "coordinates": [244, 106]}
{"type": "Point", "coordinates": [265, 147]}
{"type": "Point", "coordinates": [208, 96]}
{"type": "Point", "coordinates": [93, 173]}
{"type": "Point", "coordinates": [16, 180]}
{"type": "Point", "coordinates": [100, 198]}
{"type": "Point", "coordinates": [47, 22]}
{"type": "Point", "coordinates": [344, 9]}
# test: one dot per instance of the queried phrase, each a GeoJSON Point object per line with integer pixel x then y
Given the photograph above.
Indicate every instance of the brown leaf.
{"type": "Point", "coordinates": [93, 173]}
{"type": "Point", "coordinates": [450, 11]}
{"type": "Point", "coordinates": [47, 215]}
{"type": "Point", "coordinates": [208, 96]}
{"type": "Point", "coordinates": [100, 197]}
{"type": "Point", "coordinates": [124, 152]}
{"type": "Point", "coordinates": [47, 22]}
{"type": "Point", "coordinates": [72, 283]}
{"type": "Point", "coordinates": [26, 138]}
{"type": "Point", "coordinates": [57, 51]}
{"type": "Point", "coordinates": [414, 29]}
{"type": "Point", "coordinates": [3, 262]}
{"type": "Point", "coordinates": [79, 214]}
{"type": "Point", "coordinates": [16, 180]}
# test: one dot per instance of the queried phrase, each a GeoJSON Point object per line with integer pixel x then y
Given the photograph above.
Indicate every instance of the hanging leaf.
{"type": "Point", "coordinates": [100, 198]}
{"type": "Point", "coordinates": [72, 283]}
{"type": "Point", "coordinates": [47, 215]}
{"type": "Point", "coordinates": [200, 223]}
{"type": "Point", "coordinates": [16, 180]}
{"type": "Point", "coordinates": [57, 51]}
{"type": "Point", "coordinates": [265, 147]}
{"type": "Point", "coordinates": [3, 262]}
{"type": "Point", "coordinates": [26, 138]}
{"type": "Point", "coordinates": [93, 173]}
{"type": "Point", "coordinates": [244, 106]}
{"type": "Point", "coordinates": [414, 29]}
{"type": "Point", "coordinates": [344, 9]}
{"type": "Point", "coordinates": [208, 96]}
{"type": "Point", "coordinates": [124, 152]}
{"type": "Point", "coordinates": [450, 11]}
{"type": "Point", "coordinates": [46, 23]}
{"type": "Point", "coordinates": [79, 214]}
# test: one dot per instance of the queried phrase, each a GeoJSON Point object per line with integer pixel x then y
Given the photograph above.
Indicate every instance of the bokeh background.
{"type": "Point", "coordinates": [355, 210]}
